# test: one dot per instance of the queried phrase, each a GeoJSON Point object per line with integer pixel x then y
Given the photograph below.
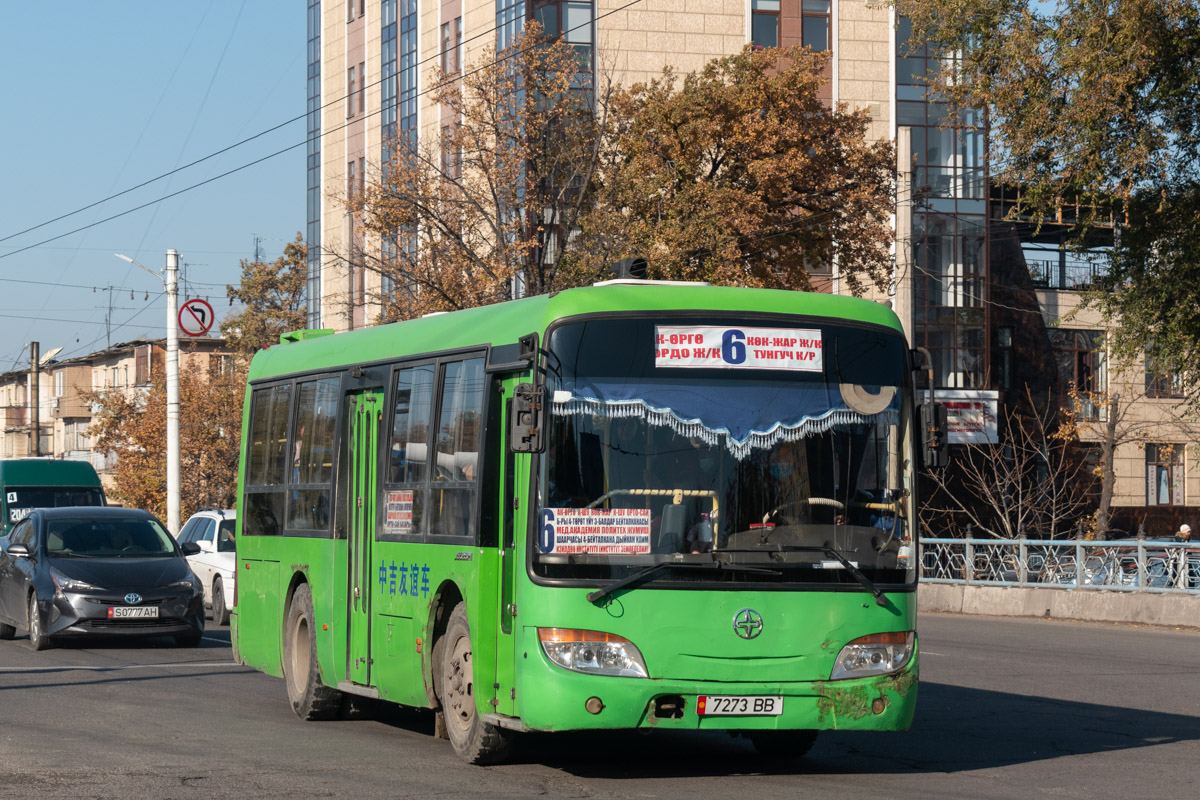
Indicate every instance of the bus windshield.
{"type": "Point", "coordinates": [754, 445]}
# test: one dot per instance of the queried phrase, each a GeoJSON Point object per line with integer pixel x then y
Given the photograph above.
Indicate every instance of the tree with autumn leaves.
{"type": "Point", "coordinates": [1093, 108]}
{"type": "Point", "coordinates": [131, 427]}
{"type": "Point", "coordinates": [738, 175]}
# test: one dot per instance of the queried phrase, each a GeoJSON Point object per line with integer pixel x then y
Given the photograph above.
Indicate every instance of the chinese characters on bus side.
{"type": "Point", "coordinates": [599, 531]}
{"type": "Point", "coordinates": [738, 348]}
{"type": "Point", "coordinates": [406, 580]}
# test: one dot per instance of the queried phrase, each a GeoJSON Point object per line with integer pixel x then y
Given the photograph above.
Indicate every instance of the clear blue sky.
{"type": "Point", "coordinates": [101, 96]}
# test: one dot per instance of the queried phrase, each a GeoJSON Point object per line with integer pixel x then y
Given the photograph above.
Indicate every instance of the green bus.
{"type": "Point", "coordinates": [635, 505]}
{"type": "Point", "coordinates": [29, 483]}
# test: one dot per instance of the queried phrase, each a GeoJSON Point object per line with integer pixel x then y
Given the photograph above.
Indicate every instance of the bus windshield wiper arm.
{"type": "Point", "coordinates": [880, 599]}
{"type": "Point", "coordinates": [650, 571]}
{"type": "Point", "coordinates": [854, 571]}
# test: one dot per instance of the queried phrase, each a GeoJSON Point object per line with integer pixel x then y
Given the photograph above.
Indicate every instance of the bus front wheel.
{"type": "Point", "coordinates": [310, 698]}
{"type": "Point", "coordinates": [474, 740]}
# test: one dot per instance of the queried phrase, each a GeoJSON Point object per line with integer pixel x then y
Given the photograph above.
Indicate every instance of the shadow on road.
{"type": "Point", "coordinates": [957, 729]}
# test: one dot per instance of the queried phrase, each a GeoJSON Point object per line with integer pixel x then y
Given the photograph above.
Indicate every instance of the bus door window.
{"type": "Point", "coordinates": [454, 475]}
{"type": "Point", "coordinates": [408, 451]}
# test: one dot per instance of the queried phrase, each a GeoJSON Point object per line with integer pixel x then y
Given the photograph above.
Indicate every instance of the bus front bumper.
{"type": "Point", "coordinates": [551, 698]}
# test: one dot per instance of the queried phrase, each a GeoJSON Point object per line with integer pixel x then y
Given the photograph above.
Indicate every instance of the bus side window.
{"type": "Point", "coordinates": [266, 454]}
{"type": "Point", "coordinates": [455, 476]}
{"type": "Point", "coordinates": [408, 449]}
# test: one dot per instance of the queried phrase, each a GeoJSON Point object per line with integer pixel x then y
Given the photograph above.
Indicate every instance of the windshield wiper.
{"type": "Point", "coordinates": [880, 598]}
{"type": "Point", "coordinates": [650, 571]}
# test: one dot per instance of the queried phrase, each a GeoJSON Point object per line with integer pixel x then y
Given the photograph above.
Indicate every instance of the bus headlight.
{"type": "Point", "coordinates": [877, 654]}
{"type": "Point", "coordinates": [593, 652]}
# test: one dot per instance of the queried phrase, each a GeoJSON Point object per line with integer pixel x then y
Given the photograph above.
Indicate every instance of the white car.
{"type": "Point", "coordinates": [212, 529]}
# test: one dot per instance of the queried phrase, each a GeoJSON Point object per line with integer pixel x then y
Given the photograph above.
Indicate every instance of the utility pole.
{"type": "Point", "coordinates": [35, 378]}
{"type": "Point", "coordinates": [170, 280]}
{"type": "Point", "coordinates": [172, 286]}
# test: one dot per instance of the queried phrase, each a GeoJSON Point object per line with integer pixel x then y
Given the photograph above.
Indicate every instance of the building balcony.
{"type": "Point", "coordinates": [15, 417]}
{"type": "Point", "coordinates": [1063, 276]}
{"type": "Point", "coordinates": [71, 406]}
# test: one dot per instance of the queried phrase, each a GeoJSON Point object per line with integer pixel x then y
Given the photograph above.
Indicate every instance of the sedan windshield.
{"type": "Point", "coordinates": [769, 448]}
{"type": "Point", "coordinates": [106, 538]}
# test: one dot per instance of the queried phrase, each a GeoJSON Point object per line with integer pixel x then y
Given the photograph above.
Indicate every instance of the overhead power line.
{"type": "Point", "coordinates": [249, 139]}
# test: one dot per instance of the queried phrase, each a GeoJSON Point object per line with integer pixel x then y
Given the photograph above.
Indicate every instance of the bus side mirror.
{"type": "Point", "coordinates": [527, 416]}
{"type": "Point", "coordinates": [935, 450]}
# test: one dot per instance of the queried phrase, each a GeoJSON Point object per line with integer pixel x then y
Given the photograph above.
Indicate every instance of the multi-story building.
{"type": "Point", "coordinates": [64, 413]}
{"type": "Point", "coordinates": [370, 64]}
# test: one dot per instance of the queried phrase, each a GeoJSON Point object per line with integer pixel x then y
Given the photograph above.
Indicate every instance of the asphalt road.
{"type": "Point", "coordinates": [1007, 709]}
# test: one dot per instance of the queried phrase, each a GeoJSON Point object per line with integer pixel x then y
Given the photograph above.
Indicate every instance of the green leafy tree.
{"type": "Point", "coordinates": [273, 300]}
{"type": "Point", "coordinates": [1096, 104]}
{"type": "Point", "coordinates": [740, 174]}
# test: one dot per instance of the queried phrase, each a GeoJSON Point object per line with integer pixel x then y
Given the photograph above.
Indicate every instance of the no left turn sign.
{"type": "Point", "coordinates": [195, 317]}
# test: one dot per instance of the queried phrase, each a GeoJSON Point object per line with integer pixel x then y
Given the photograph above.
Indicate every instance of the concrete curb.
{"type": "Point", "coordinates": [1092, 605]}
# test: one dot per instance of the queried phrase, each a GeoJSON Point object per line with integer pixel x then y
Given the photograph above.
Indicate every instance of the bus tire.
{"type": "Point", "coordinates": [475, 741]}
{"type": "Point", "coordinates": [311, 700]}
{"type": "Point", "coordinates": [782, 744]}
{"type": "Point", "coordinates": [220, 612]}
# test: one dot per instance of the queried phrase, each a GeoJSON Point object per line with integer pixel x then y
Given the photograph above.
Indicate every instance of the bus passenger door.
{"type": "Point", "coordinates": [365, 412]}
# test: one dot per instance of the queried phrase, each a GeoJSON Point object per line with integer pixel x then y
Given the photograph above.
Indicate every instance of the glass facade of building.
{"type": "Point", "coordinates": [313, 167]}
{"type": "Point", "coordinates": [949, 224]}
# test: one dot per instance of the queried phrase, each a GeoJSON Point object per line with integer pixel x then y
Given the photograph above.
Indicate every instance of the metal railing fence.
{"type": "Point", "coordinates": [1133, 565]}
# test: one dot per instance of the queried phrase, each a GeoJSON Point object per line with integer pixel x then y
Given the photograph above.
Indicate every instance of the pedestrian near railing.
{"type": "Point", "coordinates": [1130, 565]}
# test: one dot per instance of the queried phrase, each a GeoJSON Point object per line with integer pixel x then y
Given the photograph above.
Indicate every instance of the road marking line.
{"type": "Point", "coordinates": [928, 653]}
{"type": "Point", "coordinates": [80, 668]}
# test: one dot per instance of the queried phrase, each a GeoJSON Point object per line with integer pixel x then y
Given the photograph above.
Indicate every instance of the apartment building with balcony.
{"type": "Point", "coordinates": [64, 413]}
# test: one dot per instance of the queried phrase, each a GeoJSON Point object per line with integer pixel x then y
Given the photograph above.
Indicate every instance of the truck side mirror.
{"type": "Point", "coordinates": [935, 451]}
{"type": "Point", "coordinates": [527, 417]}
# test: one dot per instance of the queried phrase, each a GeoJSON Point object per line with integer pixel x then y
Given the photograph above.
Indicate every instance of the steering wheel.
{"type": "Point", "coordinates": [790, 519]}
{"type": "Point", "coordinates": [129, 548]}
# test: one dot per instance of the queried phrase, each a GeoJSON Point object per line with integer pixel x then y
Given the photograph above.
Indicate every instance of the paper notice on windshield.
{"type": "Point", "coordinates": [596, 531]}
{"type": "Point", "coordinates": [738, 348]}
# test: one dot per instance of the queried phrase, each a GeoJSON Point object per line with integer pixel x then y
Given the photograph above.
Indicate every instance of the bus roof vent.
{"type": "Point", "coordinates": [304, 335]}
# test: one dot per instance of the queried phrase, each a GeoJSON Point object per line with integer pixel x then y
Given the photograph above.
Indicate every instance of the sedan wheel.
{"type": "Point", "coordinates": [37, 637]}
{"type": "Point", "coordinates": [220, 613]}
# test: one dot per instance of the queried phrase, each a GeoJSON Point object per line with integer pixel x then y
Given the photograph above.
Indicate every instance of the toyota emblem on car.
{"type": "Point", "coordinates": [747, 623]}
{"type": "Point", "coordinates": [133, 598]}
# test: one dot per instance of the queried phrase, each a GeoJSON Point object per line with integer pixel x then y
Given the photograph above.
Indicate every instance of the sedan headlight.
{"type": "Point", "coordinates": [593, 652]}
{"type": "Point", "coordinates": [62, 583]}
{"type": "Point", "coordinates": [190, 582]}
{"type": "Point", "coordinates": [877, 654]}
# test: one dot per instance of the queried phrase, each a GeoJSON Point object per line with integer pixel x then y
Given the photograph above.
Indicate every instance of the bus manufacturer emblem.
{"type": "Point", "coordinates": [747, 623]}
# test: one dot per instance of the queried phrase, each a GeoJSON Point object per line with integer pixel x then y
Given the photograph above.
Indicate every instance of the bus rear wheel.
{"type": "Point", "coordinates": [782, 744]}
{"type": "Point", "coordinates": [310, 698]}
{"type": "Point", "coordinates": [475, 741]}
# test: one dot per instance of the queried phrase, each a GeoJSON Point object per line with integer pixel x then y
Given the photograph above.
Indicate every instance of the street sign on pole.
{"type": "Point", "coordinates": [195, 317]}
